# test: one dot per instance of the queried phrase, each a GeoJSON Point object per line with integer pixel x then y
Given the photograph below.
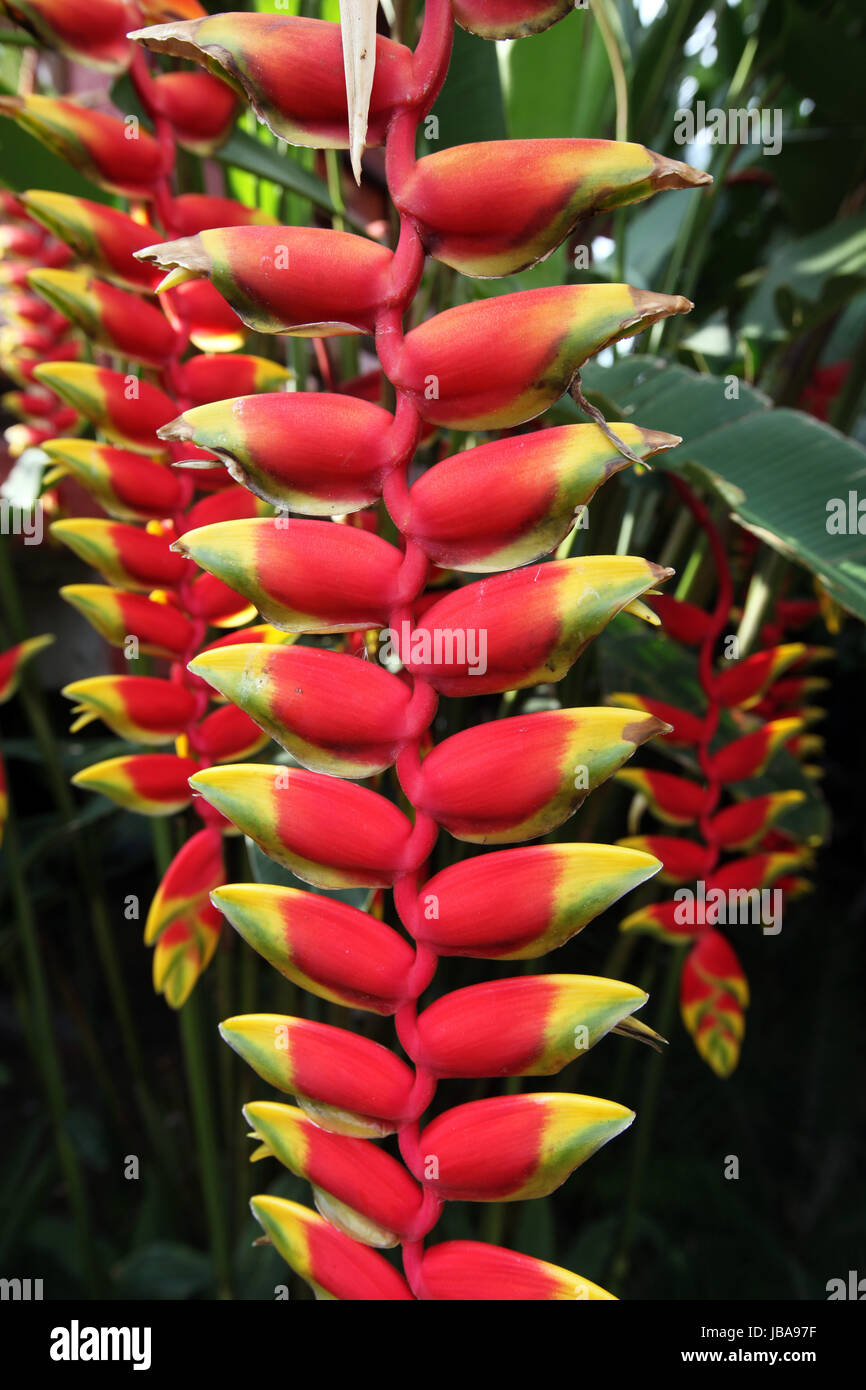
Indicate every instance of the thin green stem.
{"type": "Point", "coordinates": [646, 1117]}
{"type": "Point", "coordinates": [89, 878]}
{"type": "Point", "coordinates": [206, 1139]}
{"type": "Point", "coordinates": [47, 1055]}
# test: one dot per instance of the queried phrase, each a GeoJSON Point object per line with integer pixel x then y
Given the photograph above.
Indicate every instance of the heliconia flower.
{"type": "Point", "coordinates": [128, 410]}
{"type": "Point", "coordinates": [686, 728]}
{"type": "Point", "coordinates": [748, 756]}
{"type": "Point", "coordinates": [227, 734]}
{"type": "Point", "coordinates": [519, 778]}
{"type": "Point", "coordinates": [535, 343]}
{"type": "Point", "coordinates": [197, 212]}
{"type": "Point", "coordinates": [508, 19]}
{"type": "Point", "coordinates": [184, 890]}
{"type": "Point", "coordinates": [11, 207]}
{"type": "Point", "coordinates": [552, 1019]}
{"type": "Point", "coordinates": [332, 712]}
{"type": "Point", "coordinates": [142, 709]}
{"type": "Point", "coordinates": [14, 659]}
{"type": "Point", "coordinates": [536, 191]}
{"type": "Point", "coordinates": [159, 629]}
{"type": "Point", "coordinates": [290, 70]}
{"type": "Point", "coordinates": [665, 920]}
{"type": "Point", "coordinates": [20, 437]}
{"type": "Point", "coordinates": [471, 1271]}
{"type": "Point", "coordinates": [521, 903]}
{"type": "Point", "coordinates": [313, 452]}
{"type": "Point", "coordinates": [327, 947]}
{"type": "Point", "coordinates": [212, 324]}
{"type": "Point", "coordinates": [158, 11]}
{"type": "Point", "coordinates": [25, 242]}
{"type": "Point", "coordinates": [794, 691]}
{"type": "Point", "coordinates": [524, 626]}
{"type": "Point", "coordinates": [805, 745]}
{"type": "Point", "coordinates": [114, 319]}
{"type": "Point", "coordinates": [757, 870]}
{"type": "Point", "coordinates": [217, 604]}
{"type": "Point", "coordinates": [127, 556]}
{"type": "Point", "coordinates": [510, 502]}
{"type": "Point", "coordinates": [361, 1190]}
{"type": "Point", "coordinates": [22, 366]}
{"type": "Point", "coordinates": [512, 1148]}
{"type": "Point", "coordinates": [675, 800]}
{"type": "Point", "coordinates": [684, 621]}
{"type": "Point", "coordinates": [100, 236]}
{"type": "Point", "coordinates": [302, 280]}
{"type": "Point", "coordinates": [744, 824]}
{"type": "Point", "coordinates": [129, 486]}
{"type": "Point", "coordinates": [744, 683]}
{"type": "Point", "coordinates": [201, 109]}
{"type": "Point", "coordinates": [231, 503]}
{"type": "Point", "coordinates": [208, 377]}
{"type": "Point", "coordinates": [683, 861]}
{"type": "Point", "coordinates": [29, 405]}
{"type": "Point", "coordinates": [28, 308]}
{"type": "Point", "coordinates": [334, 1265]}
{"type": "Point", "coordinates": [331, 833]}
{"type": "Point", "coordinates": [182, 953]}
{"type": "Point", "coordinates": [90, 32]}
{"type": "Point", "coordinates": [153, 784]}
{"type": "Point", "coordinates": [306, 576]}
{"type": "Point", "coordinates": [713, 997]}
{"type": "Point", "coordinates": [119, 157]}
{"type": "Point", "coordinates": [345, 1083]}
{"type": "Point", "coordinates": [735, 881]}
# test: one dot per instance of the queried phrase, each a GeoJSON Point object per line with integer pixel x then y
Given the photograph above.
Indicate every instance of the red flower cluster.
{"type": "Point", "coordinates": [754, 707]}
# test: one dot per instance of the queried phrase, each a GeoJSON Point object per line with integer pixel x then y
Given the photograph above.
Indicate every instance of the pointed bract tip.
{"type": "Point", "coordinates": [672, 173]}
{"type": "Point", "coordinates": [654, 306]}
{"type": "Point", "coordinates": [177, 429]}
{"type": "Point", "coordinates": [658, 442]}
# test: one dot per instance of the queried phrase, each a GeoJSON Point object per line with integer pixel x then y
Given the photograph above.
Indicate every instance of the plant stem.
{"type": "Point", "coordinates": [646, 1116]}
{"type": "Point", "coordinates": [198, 1082]}
{"type": "Point", "coordinates": [89, 878]}
{"type": "Point", "coordinates": [47, 1056]}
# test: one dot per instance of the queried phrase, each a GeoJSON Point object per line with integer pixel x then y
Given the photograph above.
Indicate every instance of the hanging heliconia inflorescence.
{"type": "Point", "coordinates": [498, 509]}
{"type": "Point", "coordinates": [78, 272]}
{"type": "Point", "coordinates": [766, 694]}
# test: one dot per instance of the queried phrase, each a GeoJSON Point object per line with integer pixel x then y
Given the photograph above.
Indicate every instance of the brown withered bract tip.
{"type": "Point", "coordinates": [671, 173]}
{"type": "Point", "coordinates": [658, 442]}
{"type": "Point", "coordinates": [660, 572]}
{"type": "Point", "coordinates": [644, 727]}
{"type": "Point", "coordinates": [176, 38]}
{"type": "Point", "coordinates": [186, 253]}
{"type": "Point", "coordinates": [650, 304]}
{"type": "Point", "coordinates": [177, 429]}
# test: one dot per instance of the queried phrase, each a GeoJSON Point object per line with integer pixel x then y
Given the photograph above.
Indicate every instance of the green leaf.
{"type": "Point", "coordinates": [802, 271]}
{"type": "Point", "coordinates": [245, 152]}
{"type": "Point", "coordinates": [470, 106]}
{"type": "Point", "coordinates": [778, 470]}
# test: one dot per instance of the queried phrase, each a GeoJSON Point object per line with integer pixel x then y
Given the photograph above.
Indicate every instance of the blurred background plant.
{"type": "Point", "coordinates": [99, 1184]}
